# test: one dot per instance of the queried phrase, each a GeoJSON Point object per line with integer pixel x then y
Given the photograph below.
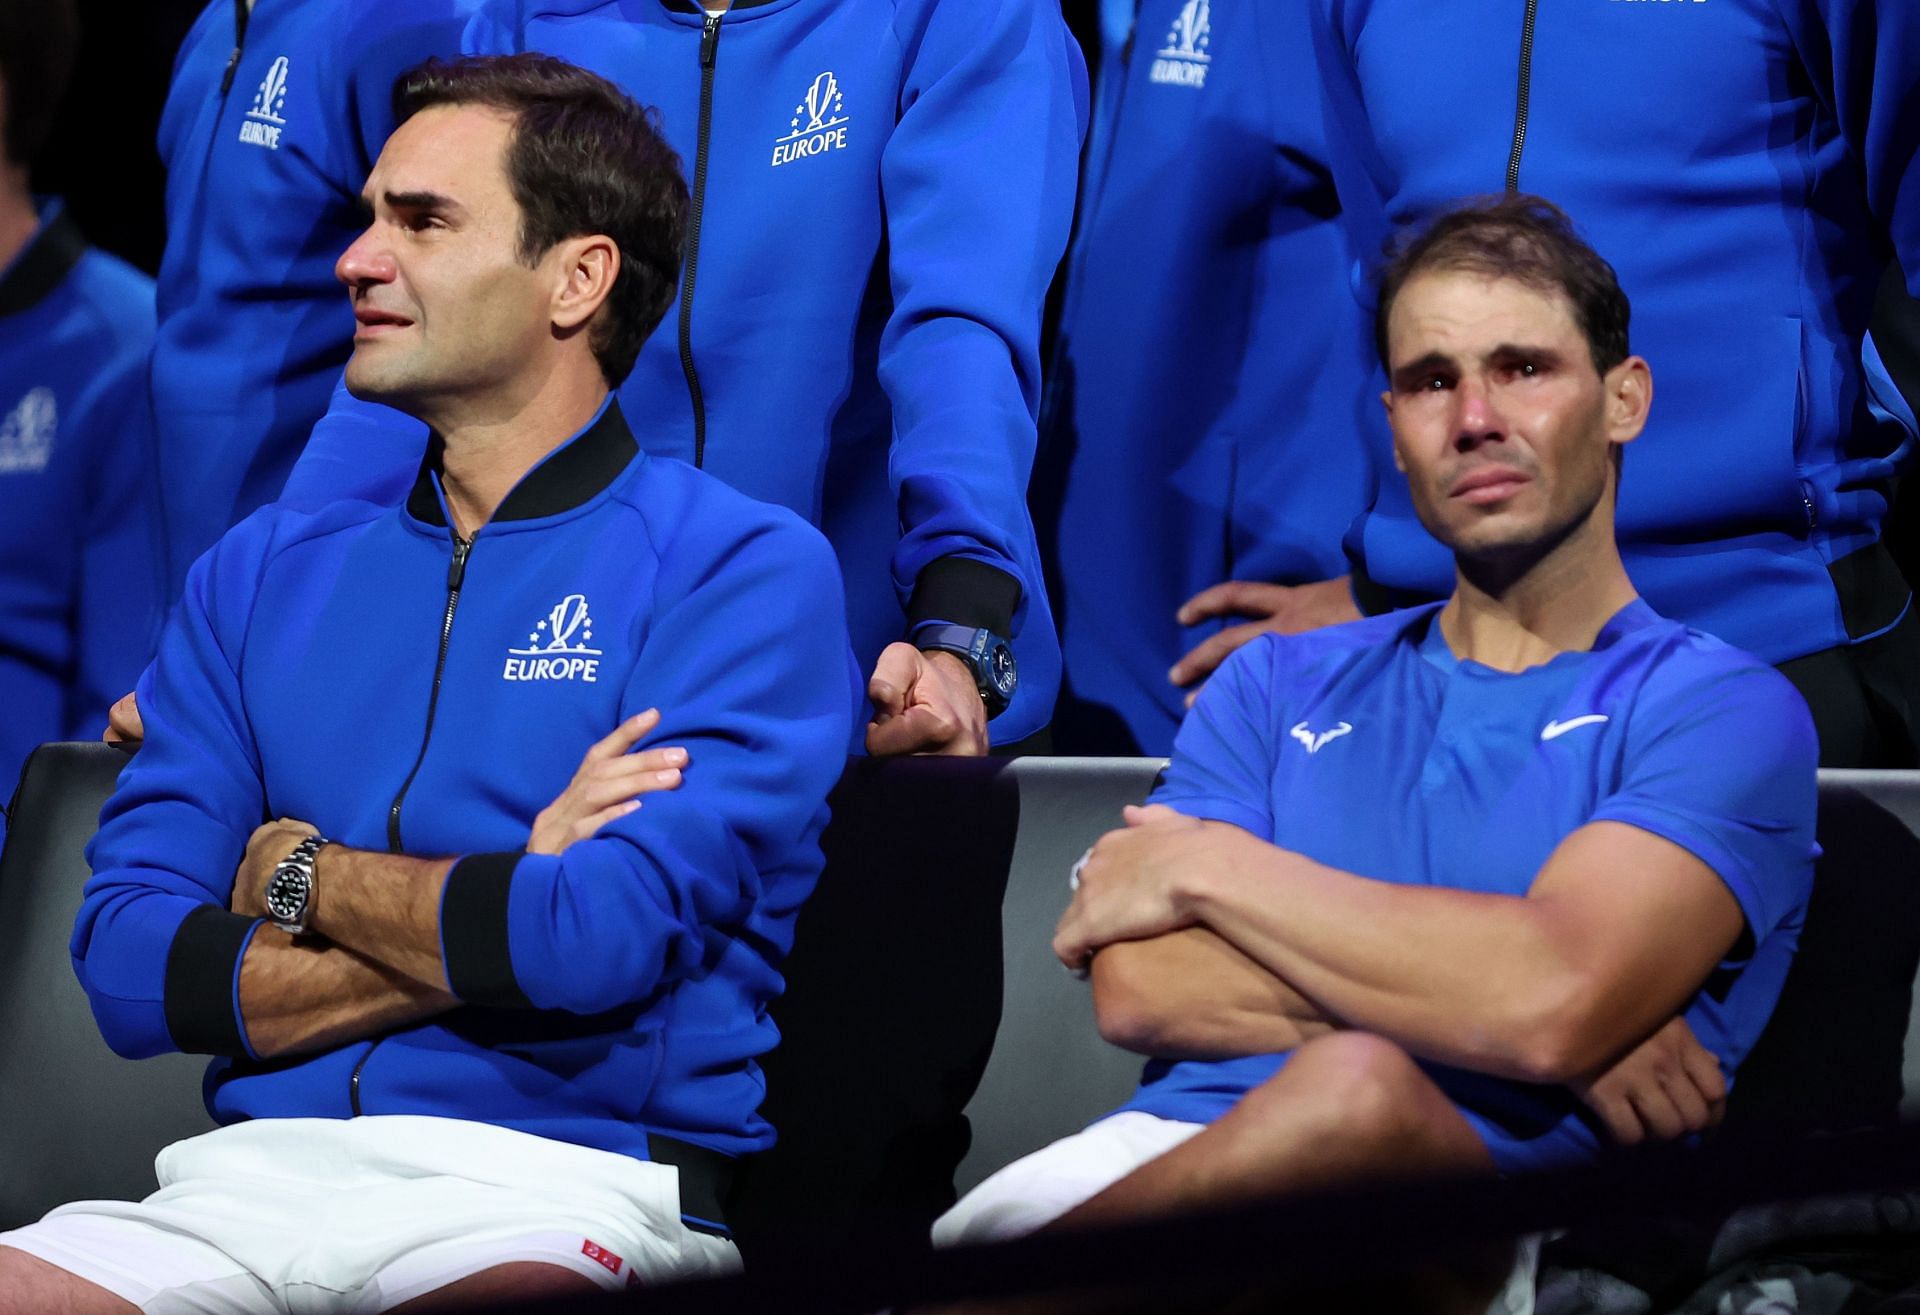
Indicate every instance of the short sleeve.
{"type": "Point", "coordinates": [1222, 765]}
{"type": "Point", "coordinates": [1726, 767]}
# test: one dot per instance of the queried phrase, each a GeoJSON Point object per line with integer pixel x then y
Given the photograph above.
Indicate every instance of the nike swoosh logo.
{"type": "Point", "coordinates": [1553, 730]}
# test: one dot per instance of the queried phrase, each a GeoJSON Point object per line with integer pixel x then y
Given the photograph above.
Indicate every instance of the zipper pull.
{"type": "Point", "coordinates": [457, 569]}
{"type": "Point", "coordinates": [710, 39]}
{"type": "Point", "coordinates": [242, 11]}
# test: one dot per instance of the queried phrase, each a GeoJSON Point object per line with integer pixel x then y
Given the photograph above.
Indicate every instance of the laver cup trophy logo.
{"type": "Point", "coordinates": [819, 123]}
{"type": "Point", "coordinates": [557, 647]}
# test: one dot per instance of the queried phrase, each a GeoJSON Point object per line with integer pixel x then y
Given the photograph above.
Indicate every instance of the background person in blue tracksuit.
{"type": "Point", "coordinates": [551, 1038]}
{"type": "Point", "coordinates": [882, 189]}
{"type": "Point", "coordinates": [1201, 425]}
{"type": "Point", "coordinates": [1412, 885]}
{"type": "Point", "coordinates": [1750, 166]}
{"type": "Point", "coordinates": [275, 114]}
{"type": "Point", "coordinates": [79, 594]}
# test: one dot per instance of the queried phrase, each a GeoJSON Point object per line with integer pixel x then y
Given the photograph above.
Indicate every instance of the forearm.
{"type": "Point", "coordinates": [1191, 995]}
{"type": "Point", "coordinates": [308, 994]}
{"type": "Point", "coordinates": [383, 907]}
{"type": "Point", "coordinates": [1462, 978]}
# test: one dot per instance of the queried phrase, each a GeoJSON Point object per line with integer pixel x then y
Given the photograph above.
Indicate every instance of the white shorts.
{"type": "Point", "coordinates": [1037, 1189]}
{"type": "Point", "coordinates": [350, 1215]}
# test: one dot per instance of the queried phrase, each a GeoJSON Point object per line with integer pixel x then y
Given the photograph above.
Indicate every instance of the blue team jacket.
{"type": "Point", "coordinates": [1201, 422]}
{"type": "Point", "coordinates": [360, 669]}
{"type": "Point", "coordinates": [79, 591]}
{"type": "Point", "coordinates": [268, 132]}
{"type": "Point", "coordinates": [885, 190]}
{"type": "Point", "coordinates": [1748, 168]}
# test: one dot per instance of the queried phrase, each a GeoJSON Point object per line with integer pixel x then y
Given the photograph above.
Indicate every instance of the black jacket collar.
{"type": "Point", "coordinates": [572, 474]}
{"type": "Point", "coordinates": [43, 264]}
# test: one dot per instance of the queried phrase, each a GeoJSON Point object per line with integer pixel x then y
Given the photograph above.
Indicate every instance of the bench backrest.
{"type": "Point", "coordinates": [929, 1035]}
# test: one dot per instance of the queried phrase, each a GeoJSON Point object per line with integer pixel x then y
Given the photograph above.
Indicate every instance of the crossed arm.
{"type": "Point", "coordinates": [1205, 942]}
{"type": "Point", "coordinates": [372, 960]}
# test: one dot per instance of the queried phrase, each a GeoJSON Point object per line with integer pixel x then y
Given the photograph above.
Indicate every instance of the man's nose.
{"type": "Point", "coordinates": [365, 261]}
{"type": "Point", "coordinates": [1477, 417]}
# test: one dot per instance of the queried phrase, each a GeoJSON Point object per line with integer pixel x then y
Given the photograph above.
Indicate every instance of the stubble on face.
{"type": "Point", "coordinates": [1499, 419]}
{"type": "Point", "coordinates": [445, 307]}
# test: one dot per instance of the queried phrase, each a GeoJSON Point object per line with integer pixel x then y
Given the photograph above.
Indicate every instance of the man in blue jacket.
{"type": "Point", "coordinates": [881, 192]}
{"type": "Point", "coordinates": [1412, 887]}
{"type": "Point", "coordinates": [455, 1058]}
{"type": "Point", "coordinates": [79, 593]}
{"type": "Point", "coordinates": [1751, 166]}
{"type": "Point", "coordinates": [1201, 425]}
{"type": "Point", "coordinates": [275, 114]}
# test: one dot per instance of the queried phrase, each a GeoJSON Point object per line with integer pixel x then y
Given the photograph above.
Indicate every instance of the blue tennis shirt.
{"type": "Point", "coordinates": [1371, 748]}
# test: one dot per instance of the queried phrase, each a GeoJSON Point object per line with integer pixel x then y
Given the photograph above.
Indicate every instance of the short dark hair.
{"type": "Point", "coordinates": [38, 42]}
{"type": "Point", "coordinates": [584, 158]}
{"type": "Point", "coordinates": [1520, 237]}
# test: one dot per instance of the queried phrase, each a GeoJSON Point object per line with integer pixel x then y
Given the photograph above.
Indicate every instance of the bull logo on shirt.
{"type": "Point", "coordinates": [818, 124]}
{"type": "Point", "coordinates": [557, 647]}
{"type": "Point", "coordinates": [26, 435]}
{"type": "Point", "coordinates": [1183, 60]}
{"type": "Point", "coordinates": [1315, 741]}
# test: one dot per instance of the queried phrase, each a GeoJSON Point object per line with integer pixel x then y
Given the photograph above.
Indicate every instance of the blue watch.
{"type": "Point", "coordinates": [988, 656]}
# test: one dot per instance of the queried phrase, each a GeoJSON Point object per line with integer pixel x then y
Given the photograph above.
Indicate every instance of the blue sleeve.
{"type": "Point", "coordinates": [117, 606]}
{"type": "Point", "coordinates": [1864, 57]}
{"type": "Point", "coordinates": [154, 945]}
{"type": "Point", "coordinates": [977, 181]}
{"type": "Point", "coordinates": [749, 662]}
{"type": "Point", "coordinates": [1222, 764]}
{"type": "Point", "coordinates": [359, 450]}
{"type": "Point", "coordinates": [1726, 767]}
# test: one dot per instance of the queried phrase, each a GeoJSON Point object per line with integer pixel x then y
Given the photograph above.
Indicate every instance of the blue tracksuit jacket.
{"type": "Point", "coordinates": [882, 189]}
{"type": "Point", "coordinates": [269, 129]}
{"type": "Point", "coordinates": [1748, 167]}
{"type": "Point", "coordinates": [79, 592]}
{"type": "Point", "coordinates": [359, 669]}
{"type": "Point", "coordinates": [1201, 423]}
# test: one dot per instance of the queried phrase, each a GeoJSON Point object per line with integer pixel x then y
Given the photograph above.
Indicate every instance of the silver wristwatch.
{"type": "Point", "coordinates": [290, 888]}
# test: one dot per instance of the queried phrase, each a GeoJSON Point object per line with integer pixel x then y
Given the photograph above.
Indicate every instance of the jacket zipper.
{"type": "Point", "coordinates": [1522, 97]}
{"type": "Point", "coordinates": [456, 574]}
{"type": "Point", "coordinates": [242, 11]}
{"type": "Point", "coordinates": [709, 53]}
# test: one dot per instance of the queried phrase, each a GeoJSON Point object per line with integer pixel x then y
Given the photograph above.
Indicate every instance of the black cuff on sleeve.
{"type": "Point", "coordinates": [198, 995]}
{"type": "Point", "coordinates": [964, 592]}
{"type": "Point", "coordinates": [473, 931]}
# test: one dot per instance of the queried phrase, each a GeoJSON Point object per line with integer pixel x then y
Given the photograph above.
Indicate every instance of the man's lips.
{"type": "Point", "coordinates": [1488, 484]}
{"type": "Point", "coordinates": [372, 322]}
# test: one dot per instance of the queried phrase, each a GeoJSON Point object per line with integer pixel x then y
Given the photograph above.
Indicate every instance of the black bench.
{"type": "Point", "coordinates": [930, 1037]}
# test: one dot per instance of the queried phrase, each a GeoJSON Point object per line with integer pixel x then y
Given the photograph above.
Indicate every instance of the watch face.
{"type": "Point", "coordinates": [1001, 670]}
{"type": "Point", "coordinates": [287, 893]}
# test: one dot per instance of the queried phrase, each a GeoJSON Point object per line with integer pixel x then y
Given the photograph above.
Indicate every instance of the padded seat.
{"type": "Point", "coordinates": [929, 1035]}
{"type": "Point", "coordinates": [81, 1122]}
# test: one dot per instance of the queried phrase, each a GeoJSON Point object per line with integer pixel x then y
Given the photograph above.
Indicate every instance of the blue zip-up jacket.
{"type": "Point", "coordinates": [881, 192]}
{"type": "Point", "coordinates": [79, 592]}
{"type": "Point", "coordinates": [271, 125]}
{"type": "Point", "coordinates": [1748, 168]}
{"type": "Point", "coordinates": [356, 668]}
{"type": "Point", "coordinates": [1200, 415]}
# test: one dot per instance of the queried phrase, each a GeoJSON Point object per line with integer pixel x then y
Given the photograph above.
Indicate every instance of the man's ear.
{"type": "Point", "coordinates": [587, 267]}
{"type": "Point", "coordinates": [1629, 388]}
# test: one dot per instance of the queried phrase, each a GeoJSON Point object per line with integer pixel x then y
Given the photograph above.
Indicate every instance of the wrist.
{"type": "Point", "coordinates": [1204, 888]}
